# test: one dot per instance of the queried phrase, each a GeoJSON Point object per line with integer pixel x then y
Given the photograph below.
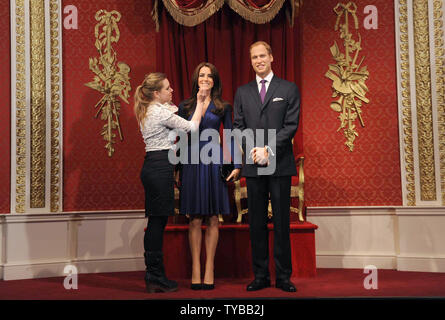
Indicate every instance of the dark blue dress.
{"type": "Point", "coordinates": [203, 191]}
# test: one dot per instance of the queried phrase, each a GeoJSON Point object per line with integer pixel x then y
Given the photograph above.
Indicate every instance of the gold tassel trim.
{"type": "Point", "coordinates": [191, 18]}
{"type": "Point", "coordinates": [154, 14]}
{"type": "Point", "coordinates": [292, 10]}
{"type": "Point", "coordinates": [258, 16]}
{"type": "Point", "coordinates": [296, 6]}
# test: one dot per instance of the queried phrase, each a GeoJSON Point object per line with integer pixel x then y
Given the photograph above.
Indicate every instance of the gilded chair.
{"type": "Point", "coordinates": [297, 194]}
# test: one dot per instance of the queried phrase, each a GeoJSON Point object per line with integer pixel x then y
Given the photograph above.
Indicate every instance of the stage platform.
{"type": "Point", "coordinates": [233, 255]}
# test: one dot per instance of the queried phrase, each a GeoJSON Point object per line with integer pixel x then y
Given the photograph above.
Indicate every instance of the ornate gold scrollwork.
{"type": "Point", "coordinates": [424, 101]}
{"type": "Point", "coordinates": [20, 93]}
{"type": "Point", "coordinates": [347, 75]}
{"type": "Point", "coordinates": [38, 105]}
{"type": "Point", "coordinates": [55, 106]}
{"type": "Point", "coordinates": [406, 104]}
{"type": "Point", "coordinates": [111, 77]}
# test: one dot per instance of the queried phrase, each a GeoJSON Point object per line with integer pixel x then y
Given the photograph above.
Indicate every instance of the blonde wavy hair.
{"type": "Point", "coordinates": [144, 94]}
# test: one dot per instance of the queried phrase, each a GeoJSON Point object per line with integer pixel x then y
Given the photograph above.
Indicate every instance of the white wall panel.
{"type": "Point", "coordinates": [354, 237]}
{"type": "Point", "coordinates": [422, 235]}
{"type": "Point", "coordinates": [36, 242]}
{"type": "Point", "coordinates": [409, 239]}
{"type": "Point", "coordinates": [109, 238]}
{"type": "Point", "coordinates": [402, 238]}
{"type": "Point", "coordinates": [36, 246]}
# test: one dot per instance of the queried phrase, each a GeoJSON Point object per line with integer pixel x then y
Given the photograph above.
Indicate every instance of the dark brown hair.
{"type": "Point", "coordinates": [215, 94]}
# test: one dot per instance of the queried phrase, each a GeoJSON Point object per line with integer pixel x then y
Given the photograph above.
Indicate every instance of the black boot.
{"type": "Point", "coordinates": [155, 279]}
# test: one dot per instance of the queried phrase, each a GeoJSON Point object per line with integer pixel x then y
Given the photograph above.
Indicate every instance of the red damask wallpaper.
{"type": "Point", "coordinates": [5, 102]}
{"type": "Point", "coordinates": [370, 175]}
{"type": "Point", "coordinates": [92, 180]}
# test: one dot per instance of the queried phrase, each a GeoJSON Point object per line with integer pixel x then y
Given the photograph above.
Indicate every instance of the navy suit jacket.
{"type": "Point", "coordinates": [280, 111]}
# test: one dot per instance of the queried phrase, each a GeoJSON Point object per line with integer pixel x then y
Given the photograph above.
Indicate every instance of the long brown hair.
{"type": "Point", "coordinates": [215, 94]}
{"type": "Point", "coordinates": [144, 94]}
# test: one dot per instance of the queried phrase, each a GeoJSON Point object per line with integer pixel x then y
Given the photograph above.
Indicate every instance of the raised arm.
{"type": "Point", "coordinates": [176, 122]}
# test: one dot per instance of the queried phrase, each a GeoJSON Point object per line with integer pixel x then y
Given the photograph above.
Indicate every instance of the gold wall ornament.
{"type": "Point", "coordinates": [55, 106]}
{"type": "Point", "coordinates": [38, 104]}
{"type": "Point", "coordinates": [406, 104]}
{"type": "Point", "coordinates": [111, 77]}
{"type": "Point", "coordinates": [424, 101]}
{"type": "Point", "coordinates": [348, 75]}
{"type": "Point", "coordinates": [20, 88]}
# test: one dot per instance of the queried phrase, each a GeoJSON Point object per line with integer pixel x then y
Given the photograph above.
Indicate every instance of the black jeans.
{"type": "Point", "coordinates": [154, 234]}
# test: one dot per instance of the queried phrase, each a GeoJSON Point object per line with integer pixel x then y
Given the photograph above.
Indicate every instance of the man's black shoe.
{"type": "Point", "coordinates": [286, 285]}
{"type": "Point", "coordinates": [258, 284]}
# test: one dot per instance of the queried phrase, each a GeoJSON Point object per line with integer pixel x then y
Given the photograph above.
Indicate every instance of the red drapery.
{"type": "Point", "coordinates": [224, 40]}
{"type": "Point", "coordinates": [193, 12]}
{"type": "Point", "coordinates": [189, 3]}
{"type": "Point", "coordinates": [196, 3]}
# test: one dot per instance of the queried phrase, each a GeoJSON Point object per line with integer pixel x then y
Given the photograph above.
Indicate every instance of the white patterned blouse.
{"type": "Point", "coordinates": [159, 121]}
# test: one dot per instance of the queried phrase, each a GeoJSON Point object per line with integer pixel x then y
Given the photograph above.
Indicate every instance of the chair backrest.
{"type": "Point", "coordinates": [298, 139]}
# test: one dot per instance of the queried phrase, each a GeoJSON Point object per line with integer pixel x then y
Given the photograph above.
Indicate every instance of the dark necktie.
{"type": "Point", "coordinates": [263, 90]}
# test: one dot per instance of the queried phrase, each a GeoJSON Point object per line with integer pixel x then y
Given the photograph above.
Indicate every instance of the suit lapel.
{"type": "Point", "coordinates": [255, 93]}
{"type": "Point", "coordinates": [270, 91]}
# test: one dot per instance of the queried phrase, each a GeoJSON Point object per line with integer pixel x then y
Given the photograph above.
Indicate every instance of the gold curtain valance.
{"type": "Point", "coordinates": [192, 12]}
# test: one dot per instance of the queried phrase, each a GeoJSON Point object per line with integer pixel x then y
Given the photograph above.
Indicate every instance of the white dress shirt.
{"type": "Point", "coordinates": [261, 151]}
{"type": "Point", "coordinates": [268, 79]}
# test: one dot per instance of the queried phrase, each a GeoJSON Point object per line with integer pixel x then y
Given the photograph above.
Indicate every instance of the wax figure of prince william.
{"type": "Point", "coordinates": [268, 102]}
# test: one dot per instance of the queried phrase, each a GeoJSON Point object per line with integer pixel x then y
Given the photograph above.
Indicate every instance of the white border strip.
{"type": "Point", "coordinates": [70, 216]}
{"type": "Point", "coordinates": [374, 211]}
